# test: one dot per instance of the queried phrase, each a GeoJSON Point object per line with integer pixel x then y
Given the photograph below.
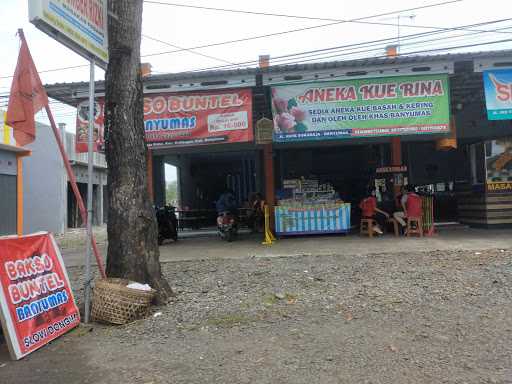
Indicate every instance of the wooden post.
{"type": "Point", "coordinates": [268, 164]}
{"type": "Point", "coordinates": [396, 158]}
{"type": "Point", "coordinates": [149, 157]}
{"type": "Point", "coordinates": [19, 194]}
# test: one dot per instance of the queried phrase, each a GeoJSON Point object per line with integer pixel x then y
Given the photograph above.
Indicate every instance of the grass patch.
{"type": "Point", "coordinates": [270, 299]}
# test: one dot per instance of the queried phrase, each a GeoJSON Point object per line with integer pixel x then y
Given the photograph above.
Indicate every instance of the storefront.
{"type": "Point", "coordinates": [208, 136]}
{"type": "Point", "coordinates": [338, 128]}
{"type": "Point", "coordinates": [342, 131]}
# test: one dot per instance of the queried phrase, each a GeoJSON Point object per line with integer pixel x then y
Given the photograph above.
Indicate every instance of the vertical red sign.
{"type": "Point", "coordinates": [36, 301]}
{"type": "Point", "coordinates": [82, 127]}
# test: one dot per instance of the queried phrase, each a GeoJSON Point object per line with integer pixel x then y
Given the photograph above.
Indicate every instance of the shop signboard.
{"type": "Point", "coordinates": [498, 94]}
{"type": "Point", "coordinates": [36, 301]}
{"type": "Point", "coordinates": [498, 161]}
{"type": "Point", "coordinates": [183, 119]}
{"type": "Point", "coordinates": [392, 169]}
{"type": "Point", "coordinates": [264, 131]}
{"type": "Point", "coordinates": [388, 106]}
{"type": "Point", "coordinates": [211, 117]}
{"type": "Point", "coordinates": [80, 25]}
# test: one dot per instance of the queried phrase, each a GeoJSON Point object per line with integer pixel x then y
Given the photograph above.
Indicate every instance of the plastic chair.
{"type": "Point", "coordinates": [414, 226]}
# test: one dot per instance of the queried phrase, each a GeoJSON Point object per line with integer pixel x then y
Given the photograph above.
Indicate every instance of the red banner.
{"type": "Point", "coordinates": [36, 300]}
{"type": "Point", "coordinates": [198, 118]}
{"type": "Point", "coordinates": [183, 119]}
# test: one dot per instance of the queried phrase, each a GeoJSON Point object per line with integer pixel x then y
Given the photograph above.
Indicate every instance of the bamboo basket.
{"type": "Point", "coordinates": [114, 303]}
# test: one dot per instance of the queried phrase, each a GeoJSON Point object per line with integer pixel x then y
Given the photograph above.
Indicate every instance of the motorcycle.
{"type": "Point", "coordinates": [167, 223]}
{"type": "Point", "coordinates": [227, 226]}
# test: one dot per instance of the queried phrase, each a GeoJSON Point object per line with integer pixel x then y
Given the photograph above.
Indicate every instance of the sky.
{"type": "Point", "coordinates": [188, 28]}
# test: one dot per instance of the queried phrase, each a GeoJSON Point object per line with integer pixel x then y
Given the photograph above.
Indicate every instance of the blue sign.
{"type": "Point", "coordinates": [498, 94]}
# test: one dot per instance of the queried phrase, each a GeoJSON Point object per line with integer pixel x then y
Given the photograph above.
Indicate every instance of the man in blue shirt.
{"type": "Point", "coordinates": [226, 202]}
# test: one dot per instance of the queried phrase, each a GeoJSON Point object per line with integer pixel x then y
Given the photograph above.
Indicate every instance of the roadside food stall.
{"type": "Point", "coordinates": [308, 207]}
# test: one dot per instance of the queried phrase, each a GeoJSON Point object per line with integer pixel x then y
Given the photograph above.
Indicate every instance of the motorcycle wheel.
{"type": "Point", "coordinates": [230, 236]}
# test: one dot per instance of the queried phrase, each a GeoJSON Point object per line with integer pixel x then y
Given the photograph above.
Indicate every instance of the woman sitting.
{"type": "Point", "coordinates": [369, 210]}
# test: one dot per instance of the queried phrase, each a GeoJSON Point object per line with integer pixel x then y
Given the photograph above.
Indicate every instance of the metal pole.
{"type": "Point", "coordinates": [74, 187]}
{"type": "Point", "coordinates": [88, 278]}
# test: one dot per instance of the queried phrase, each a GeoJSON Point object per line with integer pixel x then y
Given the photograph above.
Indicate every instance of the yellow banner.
{"type": "Point", "coordinates": [499, 187]}
{"type": "Point", "coordinates": [6, 135]}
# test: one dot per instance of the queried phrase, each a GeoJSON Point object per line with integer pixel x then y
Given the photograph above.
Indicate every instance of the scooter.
{"type": "Point", "coordinates": [227, 226]}
{"type": "Point", "coordinates": [167, 223]}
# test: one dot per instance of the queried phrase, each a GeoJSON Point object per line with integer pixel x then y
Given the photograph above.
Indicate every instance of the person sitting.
{"type": "Point", "coordinates": [226, 202]}
{"type": "Point", "coordinates": [255, 216]}
{"type": "Point", "coordinates": [411, 206]}
{"type": "Point", "coordinates": [369, 210]}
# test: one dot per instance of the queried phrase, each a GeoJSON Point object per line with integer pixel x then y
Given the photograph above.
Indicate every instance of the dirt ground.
{"type": "Point", "coordinates": [414, 317]}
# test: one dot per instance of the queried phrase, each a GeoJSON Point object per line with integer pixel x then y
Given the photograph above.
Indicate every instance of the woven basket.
{"type": "Point", "coordinates": [114, 303]}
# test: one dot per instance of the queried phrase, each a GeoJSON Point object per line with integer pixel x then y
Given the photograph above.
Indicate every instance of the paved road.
{"type": "Point", "coordinates": [208, 246]}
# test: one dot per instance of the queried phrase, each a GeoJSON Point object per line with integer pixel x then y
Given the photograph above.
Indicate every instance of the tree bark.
{"type": "Point", "coordinates": [132, 230]}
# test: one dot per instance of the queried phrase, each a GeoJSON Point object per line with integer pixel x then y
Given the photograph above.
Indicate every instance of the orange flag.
{"type": "Point", "coordinates": [27, 97]}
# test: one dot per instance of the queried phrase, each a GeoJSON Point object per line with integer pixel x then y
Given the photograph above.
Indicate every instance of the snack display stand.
{"type": "Point", "coordinates": [311, 209]}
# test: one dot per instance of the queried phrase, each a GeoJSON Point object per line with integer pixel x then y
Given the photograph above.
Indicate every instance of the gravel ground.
{"type": "Point", "coordinates": [437, 317]}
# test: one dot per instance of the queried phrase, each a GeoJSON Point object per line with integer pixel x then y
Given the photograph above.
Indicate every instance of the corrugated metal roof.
{"type": "Point", "coordinates": [64, 91]}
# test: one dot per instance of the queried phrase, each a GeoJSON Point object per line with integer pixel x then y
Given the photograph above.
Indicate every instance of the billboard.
{"type": "Point", "coordinates": [498, 94]}
{"type": "Point", "coordinates": [183, 119]}
{"type": "Point", "coordinates": [36, 301]}
{"type": "Point", "coordinates": [498, 161]}
{"type": "Point", "coordinates": [198, 118]}
{"type": "Point", "coordinates": [79, 24]}
{"type": "Point", "coordinates": [387, 106]}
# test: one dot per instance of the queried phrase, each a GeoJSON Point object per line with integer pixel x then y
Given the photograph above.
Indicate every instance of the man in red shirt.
{"type": "Point", "coordinates": [411, 206]}
{"type": "Point", "coordinates": [369, 209]}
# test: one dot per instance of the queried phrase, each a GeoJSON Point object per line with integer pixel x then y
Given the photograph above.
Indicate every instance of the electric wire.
{"type": "Point", "coordinates": [268, 35]}
{"type": "Point", "coordinates": [315, 18]}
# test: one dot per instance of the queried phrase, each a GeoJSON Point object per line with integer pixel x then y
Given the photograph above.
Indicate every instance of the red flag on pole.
{"type": "Point", "coordinates": [27, 97]}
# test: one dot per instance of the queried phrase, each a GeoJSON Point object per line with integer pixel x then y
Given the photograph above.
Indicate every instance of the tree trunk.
{"type": "Point", "coordinates": [132, 230]}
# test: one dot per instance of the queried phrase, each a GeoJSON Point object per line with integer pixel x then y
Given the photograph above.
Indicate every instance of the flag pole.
{"type": "Point", "coordinates": [87, 288]}
{"type": "Point", "coordinates": [74, 187]}
{"type": "Point", "coordinates": [71, 175]}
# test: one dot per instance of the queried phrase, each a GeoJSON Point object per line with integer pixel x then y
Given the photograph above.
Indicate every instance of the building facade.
{"type": "Point", "coordinates": [43, 190]}
{"type": "Point", "coordinates": [418, 120]}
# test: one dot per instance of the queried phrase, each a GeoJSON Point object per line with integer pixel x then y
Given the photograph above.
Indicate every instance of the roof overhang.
{"type": "Point", "coordinates": [19, 151]}
{"type": "Point", "coordinates": [73, 93]}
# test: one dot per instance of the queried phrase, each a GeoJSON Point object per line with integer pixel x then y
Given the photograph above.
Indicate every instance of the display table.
{"type": "Point", "coordinates": [312, 219]}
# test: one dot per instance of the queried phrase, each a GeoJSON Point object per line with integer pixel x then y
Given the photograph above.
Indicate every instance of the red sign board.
{"type": "Point", "coordinates": [36, 301]}
{"type": "Point", "coordinates": [185, 119]}
{"type": "Point", "coordinates": [198, 118]}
